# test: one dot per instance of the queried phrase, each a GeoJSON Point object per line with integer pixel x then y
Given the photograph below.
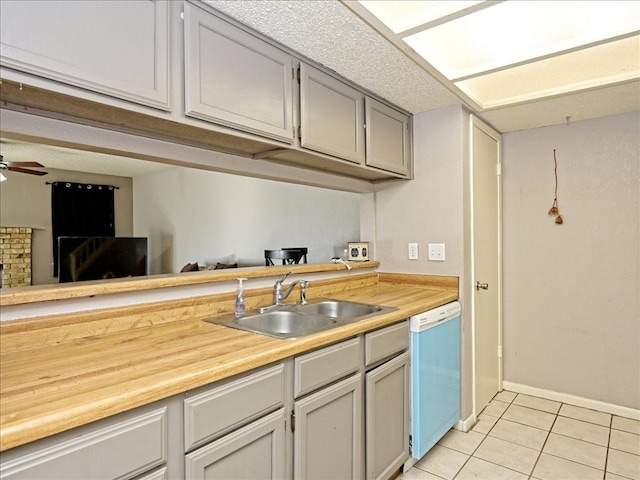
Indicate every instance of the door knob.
{"type": "Point", "coordinates": [483, 286]}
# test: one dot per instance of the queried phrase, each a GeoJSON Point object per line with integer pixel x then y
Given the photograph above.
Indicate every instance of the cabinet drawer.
{"type": "Point", "coordinates": [216, 410]}
{"type": "Point", "coordinates": [386, 342]}
{"type": "Point", "coordinates": [324, 366]}
{"type": "Point", "coordinates": [121, 450]}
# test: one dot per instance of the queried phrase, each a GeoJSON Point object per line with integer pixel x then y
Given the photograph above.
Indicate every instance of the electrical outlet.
{"type": "Point", "coordinates": [436, 252]}
{"type": "Point", "coordinates": [413, 251]}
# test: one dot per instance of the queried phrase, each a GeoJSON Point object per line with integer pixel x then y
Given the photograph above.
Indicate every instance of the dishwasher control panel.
{"type": "Point", "coordinates": [435, 315]}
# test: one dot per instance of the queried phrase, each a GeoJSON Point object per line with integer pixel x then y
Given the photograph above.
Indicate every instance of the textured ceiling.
{"type": "Point", "coordinates": [329, 33]}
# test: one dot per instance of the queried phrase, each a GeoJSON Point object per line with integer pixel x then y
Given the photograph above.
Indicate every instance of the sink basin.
{"type": "Point", "coordinates": [285, 323]}
{"type": "Point", "coordinates": [339, 308]}
{"type": "Point", "coordinates": [296, 321]}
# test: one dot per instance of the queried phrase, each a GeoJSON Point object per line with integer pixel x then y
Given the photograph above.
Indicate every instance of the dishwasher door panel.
{"type": "Point", "coordinates": [435, 384]}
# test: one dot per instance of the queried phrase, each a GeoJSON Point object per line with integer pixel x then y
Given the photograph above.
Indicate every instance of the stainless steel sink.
{"type": "Point", "coordinates": [285, 323]}
{"type": "Point", "coordinates": [296, 321]}
{"type": "Point", "coordinates": [339, 308]}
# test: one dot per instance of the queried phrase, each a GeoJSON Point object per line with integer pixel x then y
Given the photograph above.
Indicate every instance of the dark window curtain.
{"type": "Point", "coordinates": [81, 210]}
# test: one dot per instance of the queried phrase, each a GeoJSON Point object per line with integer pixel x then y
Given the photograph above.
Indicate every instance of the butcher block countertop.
{"type": "Point", "coordinates": [67, 370]}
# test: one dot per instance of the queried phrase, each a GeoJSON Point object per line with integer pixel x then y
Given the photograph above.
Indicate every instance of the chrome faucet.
{"type": "Point", "coordinates": [279, 297]}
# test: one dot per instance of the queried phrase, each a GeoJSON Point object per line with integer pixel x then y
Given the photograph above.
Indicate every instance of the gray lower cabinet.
{"type": "Point", "coordinates": [331, 116]}
{"type": "Point", "coordinates": [235, 79]}
{"type": "Point", "coordinates": [122, 52]}
{"type": "Point", "coordinates": [387, 417]}
{"type": "Point", "coordinates": [387, 400]}
{"type": "Point", "coordinates": [254, 451]}
{"type": "Point", "coordinates": [309, 417]}
{"type": "Point", "coordinates": [122, 447]}
{"type": "Point", "coordinates": [388, 138]}
{"type": "Point", "coordinates": [328, 432]}
{"type": "Point", "coordinates": [328, 413]}
{"type": "Point", "coordinates": [161, 473]}
{"type": "Point", "coordinates": [235, 429]}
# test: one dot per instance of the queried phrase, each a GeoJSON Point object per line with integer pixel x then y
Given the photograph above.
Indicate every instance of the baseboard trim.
{"type": "Point", "coordinates": [466, 425]}
{"type": "Point", "coordinates": [573, 400]}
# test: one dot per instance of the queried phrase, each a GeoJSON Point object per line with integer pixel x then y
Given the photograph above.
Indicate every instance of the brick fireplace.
{"type": "Point", "coordinates": [15, 256]}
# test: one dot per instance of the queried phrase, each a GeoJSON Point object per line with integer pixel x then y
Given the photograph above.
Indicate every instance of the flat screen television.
{"type": "Point", "coordinates": [94, 258]}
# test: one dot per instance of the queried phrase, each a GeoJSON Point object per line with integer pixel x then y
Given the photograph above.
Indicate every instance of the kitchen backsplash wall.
{"type": "Point", "coordinates": [571, 291]}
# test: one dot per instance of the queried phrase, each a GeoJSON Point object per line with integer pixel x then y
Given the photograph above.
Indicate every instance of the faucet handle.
{"type": "Point", "coordinates": [303, 291]}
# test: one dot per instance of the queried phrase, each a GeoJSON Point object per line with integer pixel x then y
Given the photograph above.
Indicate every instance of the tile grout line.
{"type": "Point", "coordinates": [485, 437]}
{"type": "Point", "coordinates": [606, 458]}
{"type": "Point", "coordinates": [545, 442]}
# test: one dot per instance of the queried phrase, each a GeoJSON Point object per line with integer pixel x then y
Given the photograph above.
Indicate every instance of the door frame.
{"type": "Point", "coordinates": [471, 277]}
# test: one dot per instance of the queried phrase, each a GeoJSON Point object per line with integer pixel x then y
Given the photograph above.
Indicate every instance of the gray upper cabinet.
{"type": "Point", "coordinates": [388, 138]}
{"type": "Point", "coordinates": [123, 52]}
{"type": "Point", "coordinates": [235, 79]}
{"type": "Point", "coordinates": [331, 116]}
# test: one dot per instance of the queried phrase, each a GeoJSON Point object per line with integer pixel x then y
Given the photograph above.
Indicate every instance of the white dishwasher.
{"type": "Point", "coordinates": [435, 375]}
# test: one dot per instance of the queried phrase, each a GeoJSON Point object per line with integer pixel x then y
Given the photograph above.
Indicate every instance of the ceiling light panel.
{"type": "Point", "coordinates": [401, 16]}
{"type": "Point", "coordinates": [514, 32]}
{"type": "Point", "coordinates": [606, 64]}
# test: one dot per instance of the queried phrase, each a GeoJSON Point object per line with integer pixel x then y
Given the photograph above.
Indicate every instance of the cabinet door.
{"type": "Point", "coordinates": [328, 432]}
{"type": "Point", "coordinates": [387, 417]}
{"type": "Point", "coordinates": [332, 116]}
{"type": "Point", "coordinates": [235, 79]}
{"type": "Point", "coordinates": [388, 144]}
{"type": "Point", "coordinates": [124, 447]}
{"type": "Point", "coordinates": [119, 49]}
{"type": "Point", "coordinates": [254, 451]}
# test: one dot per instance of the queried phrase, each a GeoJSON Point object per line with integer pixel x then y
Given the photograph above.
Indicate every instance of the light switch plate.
{"type": "Point", "coordinates": [436, 252]}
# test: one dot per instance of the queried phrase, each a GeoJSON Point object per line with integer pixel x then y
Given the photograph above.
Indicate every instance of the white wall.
{"type": "Point", "coordinates": [25, 201]}
{"type": "Point", "coordinates": [207, 217]}
{"type": "Point", "coordinates": [571, 291]}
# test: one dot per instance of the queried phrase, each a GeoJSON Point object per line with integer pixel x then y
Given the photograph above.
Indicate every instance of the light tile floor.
{"type": "Point", "coordinates": [523, 437]}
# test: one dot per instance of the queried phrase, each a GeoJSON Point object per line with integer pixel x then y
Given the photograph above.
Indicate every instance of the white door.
{"type": "Point", "coordinates": [486, 278]}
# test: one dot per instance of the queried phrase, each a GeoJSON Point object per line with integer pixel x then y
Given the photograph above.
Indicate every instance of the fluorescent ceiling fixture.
{"type": "Point", "coordinates": [546, 47]}
{"type": "Point", "coordinates": [401, 16]}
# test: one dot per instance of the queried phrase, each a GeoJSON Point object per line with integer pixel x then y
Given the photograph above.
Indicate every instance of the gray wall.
{"type": "Point", "coordinates": [571, 291]}
{"type": "Point", "coordinates": [207, 217]}
{"type": "Point", "coordinates": [430, 209]}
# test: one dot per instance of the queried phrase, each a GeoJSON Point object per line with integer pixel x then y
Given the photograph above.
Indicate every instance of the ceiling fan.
{"type": "Point", "coordinates": [20, 167]}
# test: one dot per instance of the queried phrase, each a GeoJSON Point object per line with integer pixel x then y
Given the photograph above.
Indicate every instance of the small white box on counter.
{"type": "Point", "coordinates": [358, 251]}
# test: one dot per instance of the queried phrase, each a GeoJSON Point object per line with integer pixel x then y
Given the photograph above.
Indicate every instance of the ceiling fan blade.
{"type": "Point", "coordinates": [23, 164]}
{"type": "Point", "coordinates": [25, 170]}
